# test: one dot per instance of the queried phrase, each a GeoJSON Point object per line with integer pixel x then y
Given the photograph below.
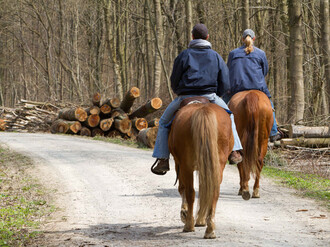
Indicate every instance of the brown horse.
{"type": "Point", "coordinates": [254, 119]}
{"type": "Point", "coordinates": [200, 140]}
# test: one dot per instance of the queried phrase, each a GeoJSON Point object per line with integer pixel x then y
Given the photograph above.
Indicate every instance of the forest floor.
{"type": "Point", "coordinates": [107, 196]}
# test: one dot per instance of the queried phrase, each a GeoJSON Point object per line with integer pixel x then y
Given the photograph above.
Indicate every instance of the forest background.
{"type": "Point", "coordinates": [66, 50]}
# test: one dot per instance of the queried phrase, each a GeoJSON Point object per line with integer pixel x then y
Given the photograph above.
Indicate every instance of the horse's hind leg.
{"type": "Point", "coordinates": [190, 197]}
{"type": "Point", "coordinates": [255, 193]}
{"type": "Point", "coordinates": [244, 181]}
{"type": "Point", "coordinates": [209, 232]}
{"type": "Point", "coordinates": [184, 204]}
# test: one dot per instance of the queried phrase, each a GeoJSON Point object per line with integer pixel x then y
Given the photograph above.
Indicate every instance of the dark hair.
{"type": "Point", "coordinates": [200, 31]}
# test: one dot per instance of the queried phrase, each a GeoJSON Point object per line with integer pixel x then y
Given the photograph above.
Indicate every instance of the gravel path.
{"type": "Point", "coordinates": [109, 197]}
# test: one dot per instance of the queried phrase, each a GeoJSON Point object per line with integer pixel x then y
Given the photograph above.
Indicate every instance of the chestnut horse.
{"type": "Point", "coordinates": [200, 140]}
{"type": "Point", "coordinates": [254, 119]}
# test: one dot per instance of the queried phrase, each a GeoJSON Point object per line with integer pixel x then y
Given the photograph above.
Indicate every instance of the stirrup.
{"type": "Point", "coordinates": [156, 172]}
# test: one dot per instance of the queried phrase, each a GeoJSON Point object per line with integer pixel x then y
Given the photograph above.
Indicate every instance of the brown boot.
{"type": "Point", "coordinates": [161, 166]}
{"type": "Point", "coordinates": [235, 157]}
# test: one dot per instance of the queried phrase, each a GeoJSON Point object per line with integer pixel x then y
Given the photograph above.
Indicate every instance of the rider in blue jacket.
{"type": "Point", "coordinates": [248, 67]}
{"type": "Point", "coordinates": [197, 71]}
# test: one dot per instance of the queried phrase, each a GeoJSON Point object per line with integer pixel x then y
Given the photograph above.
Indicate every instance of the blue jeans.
{"type": "Point", "coordinates": [273, 131]}
{"type": "Point", "coordinates": [161, 146]}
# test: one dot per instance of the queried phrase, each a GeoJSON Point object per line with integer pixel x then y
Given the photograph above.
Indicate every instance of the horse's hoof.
{"type": "Point", "coordinates": [188, 229]}
{"type": "Point", "coordinates": [255, 195]}
{"type": "Point", "coordinates": [210, 235]}
{"type": "Point", "coordinates": [246, 195]}
{"type": "Point", "coordinates": [183, 215]}
{"type": "Point", "coordinates": [240, 192]}
{"type": "Point", "coordinates": [200, 224]}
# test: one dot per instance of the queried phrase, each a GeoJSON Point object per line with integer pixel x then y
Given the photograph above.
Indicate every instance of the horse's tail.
{"type": "Point", "coordinates": [204, 127]}
{"type": "Point", "coordinates": [250, 137]}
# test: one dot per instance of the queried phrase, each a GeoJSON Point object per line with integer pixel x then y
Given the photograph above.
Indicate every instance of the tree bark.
{"type": "Point", "coordinates": [308, 132]}
{"type": "Point", "coordinates": [148, 136]}
{"type": "Point", "coordinates": [296, 62]}
{"type": "Point", "coordinates": [73, 114]}
{"type": "Point", "coordinates": [245, 15]}
{"type": "Point", "coordinates": [325, 44]}
{"type": "Point", "coordinates": [149, 107]}
{"type": "Point", "coordinates": [307, 142]}
{"type": "Point", "coordinates": [129, 99]}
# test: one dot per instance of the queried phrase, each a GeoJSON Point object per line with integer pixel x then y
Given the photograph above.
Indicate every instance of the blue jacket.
{"type": "Point", "coordinates": [247, 71]}
{"type": "Point", "coordinates": [199, 70]}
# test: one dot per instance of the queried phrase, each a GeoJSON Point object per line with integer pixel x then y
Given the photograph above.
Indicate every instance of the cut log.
{"type": "Point", "coordinates": [140, 124]}
{"type": "Point", "coordinates": [85, 131]}
{"type": "Point", "coordinates": [148, 136]}
{"type": "Point", "coordinates": [106, 124]}
{"type": "Point", "coordinates": [113, 103]}
{"type": "Point", "coordinates": [306, 131]}
{"type": "Point", "coordinates": [105, 109]}
{"type": "Point", "coordinates": [306, 142]}
{"type": "Point", "coordinates": [153, 123]}
{"type": "Point", "coordinates": [92, 121]}
{"type": "Point", "coordinates": [97, 132]}
{"type": "Point", "coordinates": [59, 126]}
{"type": "Point", "coordinates": [123, 125]}
{"type": "Point", "coordinates": [96, 99]}
{"type": "Point", "coordinates": [149, 107]}
{"type": "Point", "coordinates": [93, 110]}
{"type": "Point", "coordinates": [3, 124]}
{"type": "Point", "coordinates": [65, 126]}
{"type": "Point", "coordinates": [74, 127]}
{"type": "Point", "coordinates": [129, 99]}
{"type": "Point", "coordinates": [118, 114]}
{"type": "Point", "coordinates": [70, 114]}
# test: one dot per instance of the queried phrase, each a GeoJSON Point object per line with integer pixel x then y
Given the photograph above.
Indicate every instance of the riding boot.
{"type": "Point", "coordinates": [235, 157]}
{"type": "Point", "coordinates": [161, 166]}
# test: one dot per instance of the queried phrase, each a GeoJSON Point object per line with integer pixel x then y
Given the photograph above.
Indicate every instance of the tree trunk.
{"type": "Point", "coordinates": [245, 15]}
{"type": "Point", "coordinates": [159, 39]}
{"type": "Point", "coordinates": [296, 61]}
{"type": "Point", "coordinates": [96, 99]}
{"type": "Point", "coordinates": [324, 19]}
{"type": "Point", "coordinates": [85, 131]}
{"type": "Point", "coordinates": [123, 125]}
{"type": "Point", "coordinates": [188, 24]}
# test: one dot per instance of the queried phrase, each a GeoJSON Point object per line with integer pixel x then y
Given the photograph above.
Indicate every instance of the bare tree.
{"type": "Point", "coordinates": [296, 61]}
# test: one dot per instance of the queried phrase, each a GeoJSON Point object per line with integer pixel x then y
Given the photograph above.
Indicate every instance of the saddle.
{"type": "Point", "coordinates": [194, 100]}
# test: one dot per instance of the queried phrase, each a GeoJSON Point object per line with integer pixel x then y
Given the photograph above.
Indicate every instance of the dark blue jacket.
{"type": "Point", "coordinates": [247, 71]}
{"type": "Point", "coordinates": [199, 71]}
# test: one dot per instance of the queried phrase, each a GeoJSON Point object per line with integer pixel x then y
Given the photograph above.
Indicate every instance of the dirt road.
{"type": "Point", "coordinates": [109, 197]}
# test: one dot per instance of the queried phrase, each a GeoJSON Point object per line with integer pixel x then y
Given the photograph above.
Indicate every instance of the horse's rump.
{"type": "Point", "coordinates": [201, 139]}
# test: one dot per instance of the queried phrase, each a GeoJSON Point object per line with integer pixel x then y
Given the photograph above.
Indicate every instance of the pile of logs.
{"type": "Point", "coordinates": [29, 116]}
{"type": "Point", "coordinates": [111, 118]}
{"type": "Point", "coordinates": [305, 136]}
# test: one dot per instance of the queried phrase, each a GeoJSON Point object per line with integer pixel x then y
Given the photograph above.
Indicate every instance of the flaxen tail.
{"type": "Point", "coordinates": [205, 137]}
{"type": "Point", "coordinates": [249, 138]}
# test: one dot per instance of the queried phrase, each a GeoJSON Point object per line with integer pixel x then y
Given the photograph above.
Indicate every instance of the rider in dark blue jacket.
{"type": "Point", "coordinates": [197, 71]}
{"type": "Point", "coordinates": [248, 67]}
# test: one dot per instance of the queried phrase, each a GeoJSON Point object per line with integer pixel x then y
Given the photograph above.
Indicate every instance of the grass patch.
{"type": "Point", "coordinates": [310, 185]}
{"type": "Point", "coordinates": [23, 202]}
{"type": "Point", "coordinates": [122, 141]}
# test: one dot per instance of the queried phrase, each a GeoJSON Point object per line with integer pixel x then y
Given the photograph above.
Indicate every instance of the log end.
{"type": "Point", "coordinates": [156, 103]}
